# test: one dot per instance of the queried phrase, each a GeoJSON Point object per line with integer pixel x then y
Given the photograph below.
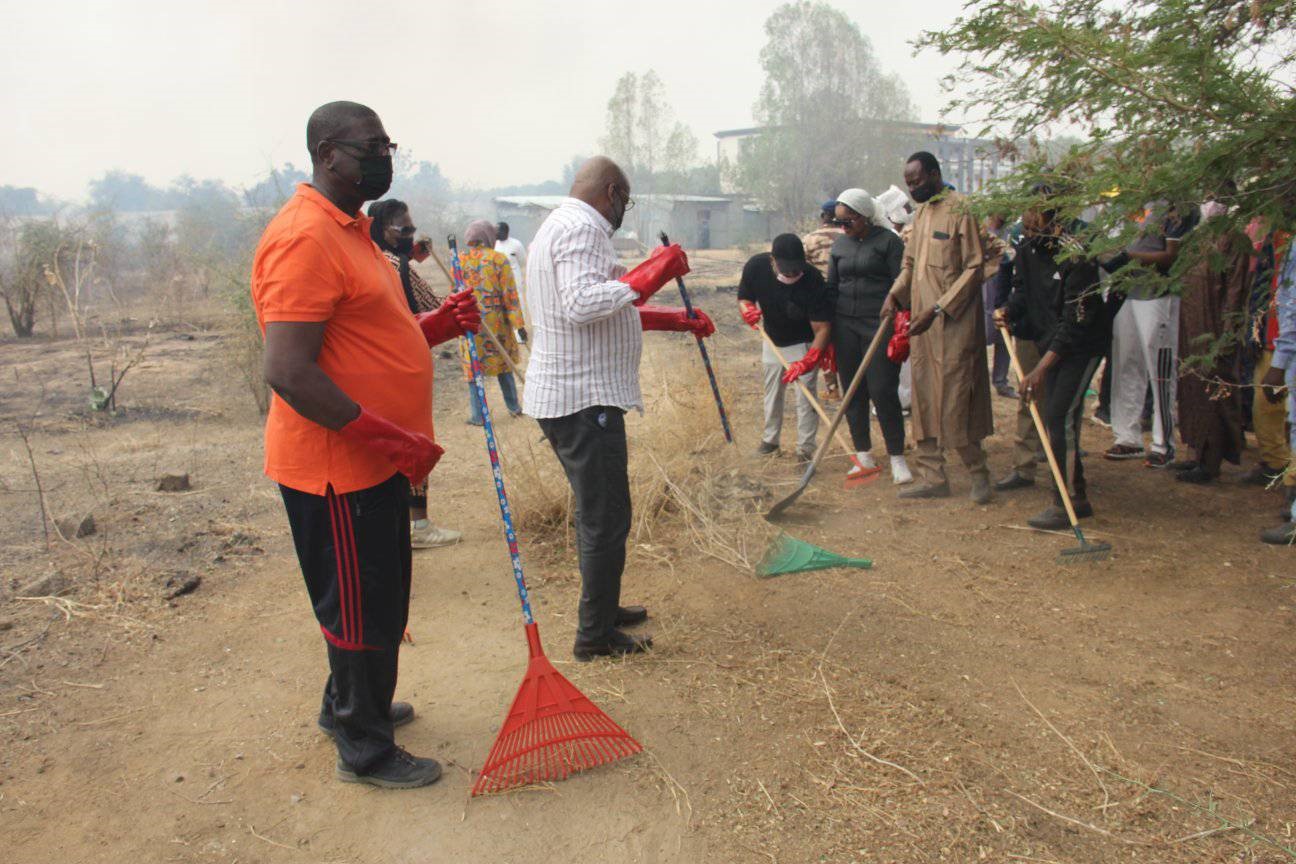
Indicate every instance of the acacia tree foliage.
{"type": "Point", "coordinates": [643, 136]}
{"type": "Point", "coordinates": [829, 113]}
{"type": "Point", "coordinates": [1174, 100]}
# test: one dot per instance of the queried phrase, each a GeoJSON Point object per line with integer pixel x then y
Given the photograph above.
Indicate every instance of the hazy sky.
{"type": "Point", "coordinates": [496, 93]}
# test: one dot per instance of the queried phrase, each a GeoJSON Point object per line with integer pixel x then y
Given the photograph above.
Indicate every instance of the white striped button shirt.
{"type": "Point", "coordinates": [587, 338]}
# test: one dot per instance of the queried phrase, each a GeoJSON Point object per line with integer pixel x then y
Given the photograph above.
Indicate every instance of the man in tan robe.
{"type": "Point", "coordinates": [940, 282]}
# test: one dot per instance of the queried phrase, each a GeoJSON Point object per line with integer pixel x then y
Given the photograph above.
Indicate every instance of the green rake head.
{"type": "Point", "coordinates": [790, 555]}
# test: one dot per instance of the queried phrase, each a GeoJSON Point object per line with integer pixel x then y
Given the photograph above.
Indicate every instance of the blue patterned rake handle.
{"type": "Point", "coordinates": [479, 384]}
{"type": "Point", "coordinates": [706, 358]}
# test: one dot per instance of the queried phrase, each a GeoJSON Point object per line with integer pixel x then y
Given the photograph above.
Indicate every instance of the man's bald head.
{"type": "Point", "coordinates": [335, 120]}
{"type": "Point", "coordinates": [601, 183]}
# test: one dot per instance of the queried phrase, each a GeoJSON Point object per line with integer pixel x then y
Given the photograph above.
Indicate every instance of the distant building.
{"type": "Point", "coordinates": [694, 221]}
{"type": "Point", "coordinates": [968, 163]}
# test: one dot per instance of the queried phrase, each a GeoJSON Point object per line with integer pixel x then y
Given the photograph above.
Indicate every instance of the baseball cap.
{"type": "Point", "coordinates": [829, 207]}
{"type": "Point", "coordinates": [788, 254]}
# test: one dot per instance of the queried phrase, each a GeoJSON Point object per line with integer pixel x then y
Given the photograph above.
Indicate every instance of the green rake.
{"type": "Point", "coordinates": [790, 555]}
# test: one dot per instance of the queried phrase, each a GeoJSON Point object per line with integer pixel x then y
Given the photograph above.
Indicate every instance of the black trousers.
{"type": "Point", "coordinates": [1065, 384]}
{"type": "Point", "coordinates": [591, 445]}
{"type": "Point", "coordinates": [354, 551]}
{"type": "Point", "coordinates": [881, 384]}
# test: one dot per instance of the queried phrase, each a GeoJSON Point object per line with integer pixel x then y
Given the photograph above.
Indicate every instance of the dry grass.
{"type": "Point", "coordinates": [689, 489]}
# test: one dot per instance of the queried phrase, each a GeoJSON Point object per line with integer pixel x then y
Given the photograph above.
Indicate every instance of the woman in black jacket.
{"type": "Point", "coordinates": [1057, 302]}
{"type": "Point", "coordinates": [862, 265]}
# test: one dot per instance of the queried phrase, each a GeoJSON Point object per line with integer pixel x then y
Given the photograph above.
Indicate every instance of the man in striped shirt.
{"type": "Point", "coordinates": [587, 318]}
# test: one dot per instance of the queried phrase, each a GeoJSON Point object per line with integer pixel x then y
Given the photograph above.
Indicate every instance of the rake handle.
{"type": "Point", "coordinates": [850, 391]}
{"type": "Point", "coordinates": [805, 391]}
{"type": "Point", "coordinates": [1011, 342]}
{"type": "Point", "coordinates": [702, 349]}
{"type": "Point", "coordinates": [506, 514]}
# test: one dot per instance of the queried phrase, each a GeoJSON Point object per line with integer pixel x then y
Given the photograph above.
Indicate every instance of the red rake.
{"type": "Point", "coordinates": [552, 729]}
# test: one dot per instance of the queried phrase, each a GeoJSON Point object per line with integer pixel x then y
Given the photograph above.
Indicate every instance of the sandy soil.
{"type": "Point", "coordinates": [965, 700]}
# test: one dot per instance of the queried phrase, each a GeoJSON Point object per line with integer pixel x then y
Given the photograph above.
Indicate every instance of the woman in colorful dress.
{"type": "Point", "coordinates": [392, 231]}
{"type": "Point", "coordinates": [490, 277]}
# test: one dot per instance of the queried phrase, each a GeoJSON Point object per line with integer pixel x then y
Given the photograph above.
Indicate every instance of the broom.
{"type": "Point", "coordinates": [1086, 552]}
{"type": "Point", "coordinates": [787, 554]}
{"type": "Point", "coordinates": [867, 475]}
{"type": "Point", "coordinates": [551, 729]}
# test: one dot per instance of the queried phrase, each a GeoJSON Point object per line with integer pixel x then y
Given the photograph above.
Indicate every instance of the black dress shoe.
{"type": "Point", "coordinates": [616, 644]}
{"type": "Point", "coordinates": [1197, 475]}
{"type": "Point", "coordinates": [628, 616]}
{"type": "Point", "coordinates": [401, 713]}
{"type": "Point", "coordinates": [1015, 480]}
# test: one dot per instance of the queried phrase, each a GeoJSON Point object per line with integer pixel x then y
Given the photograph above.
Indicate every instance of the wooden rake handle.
{"type": "Point", "coordinates": [850, 391]}
{"type": "Point", "coordinates": [805, 391]}
{"type": "Point", "coordinates": [1043, 432]}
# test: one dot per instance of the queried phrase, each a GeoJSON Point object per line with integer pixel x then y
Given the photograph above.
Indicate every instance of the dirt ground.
{"type": "Point", "coordinates": [967, 699]}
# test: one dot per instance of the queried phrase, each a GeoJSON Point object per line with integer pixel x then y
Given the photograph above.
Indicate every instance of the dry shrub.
{"type": "Point", "coordinates": [688, 488]}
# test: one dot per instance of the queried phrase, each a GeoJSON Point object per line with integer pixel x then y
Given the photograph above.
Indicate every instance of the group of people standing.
{"type": "Point", "coordinates": [1029, 285]}
{"type": "Point", "coordinates": [348, 327]}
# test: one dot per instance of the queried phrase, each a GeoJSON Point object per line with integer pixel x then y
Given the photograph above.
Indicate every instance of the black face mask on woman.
{"type": "Point", "coordinates": [405, 245]}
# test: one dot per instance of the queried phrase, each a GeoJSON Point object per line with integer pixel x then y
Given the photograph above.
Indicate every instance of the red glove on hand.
{"type": "Point", "coordinates": [675, 320]}
{"type": "Point", "coordinates": [458, 314]}
{"type": "Point", "coordinates": [413, 454]}
{"type": "Point", "coordinates": [898, 347]}
{"type": "Point", "coordinates": [664, 264]}
{"type": "Point", "coordinates": [829, 361]}
{"type": "Point", "coordinates": [750, 313]}
{"type": "Point", "coordinates": [802, 366]}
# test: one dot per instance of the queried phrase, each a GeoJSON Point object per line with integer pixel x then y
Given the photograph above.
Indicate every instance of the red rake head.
{"type": "Point", "coordinates": [551, 730]}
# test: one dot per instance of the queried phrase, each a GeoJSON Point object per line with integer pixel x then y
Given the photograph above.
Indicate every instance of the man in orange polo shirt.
{"type": "Point", "coordinates": [350, 428]}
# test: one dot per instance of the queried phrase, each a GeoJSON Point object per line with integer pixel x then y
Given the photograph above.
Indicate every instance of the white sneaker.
{"type": "Point", "coordinates": [425, 535]}
{"type": "Point", "coordinates": [864, 464]}
{"type": "Point", "coordinates": [900, 474]}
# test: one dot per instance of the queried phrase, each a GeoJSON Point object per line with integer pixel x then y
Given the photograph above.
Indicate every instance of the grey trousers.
{"type": "Point", "coordinates": [591, 445]}
{"type": "Point", "coordinates": [775, 391]}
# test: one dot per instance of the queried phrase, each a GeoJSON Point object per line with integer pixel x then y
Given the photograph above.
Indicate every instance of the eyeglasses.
{"type": "Point", "coordinates": [368, 148]}
{"type": "Point", "coordinates": [629, 202]}
{"type": "Point", "coordinates": [845, 223]}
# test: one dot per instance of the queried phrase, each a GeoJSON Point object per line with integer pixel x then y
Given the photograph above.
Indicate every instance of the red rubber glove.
{"type": "Point", "coordinates": [898, 347]}
{"type": "Point", "coordinates": [675, 320]}
{"type": "Point", "coordinates": [664, 264]}
{"type": "Point", "coordinates": [802, 366]}
{"type": "Point", "coordinates": [412, 453]}
{"type": "Point", "coordinates": [750, 313]}
{"type": "Point", "coordinates": [458, 314]}
{"type": "Point", "coordinates": [828, 363]}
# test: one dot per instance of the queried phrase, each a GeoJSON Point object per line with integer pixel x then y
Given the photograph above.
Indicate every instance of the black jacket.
{"type": "Point", "coordinates": [1059, 306]}
{"type": "Point", "coordinates": [861, 272]}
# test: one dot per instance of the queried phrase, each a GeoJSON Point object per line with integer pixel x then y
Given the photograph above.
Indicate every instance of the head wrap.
{"type": "Point", "coordinates": [862, 203]}
{"type": "Point", "coordinates": [480, 231]}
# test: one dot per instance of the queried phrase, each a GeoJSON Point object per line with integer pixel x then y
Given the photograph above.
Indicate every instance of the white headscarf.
{"type": "Point", "coordinates": [862, 203]}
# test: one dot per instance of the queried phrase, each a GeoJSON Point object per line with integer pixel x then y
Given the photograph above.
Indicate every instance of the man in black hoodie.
{"type": "Point", "coordinates": [1057, 302]}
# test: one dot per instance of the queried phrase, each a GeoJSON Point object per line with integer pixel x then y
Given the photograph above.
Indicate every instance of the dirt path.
{"type": "Point", "coordinates": [964, 700]}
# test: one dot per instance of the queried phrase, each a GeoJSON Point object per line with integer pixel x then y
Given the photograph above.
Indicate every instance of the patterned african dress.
{"type": "Point", "coordinates": [490, 277]}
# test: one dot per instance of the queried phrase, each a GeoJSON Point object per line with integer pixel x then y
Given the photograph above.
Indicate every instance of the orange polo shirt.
{"type": "Point", "coordinates": [315, 263]}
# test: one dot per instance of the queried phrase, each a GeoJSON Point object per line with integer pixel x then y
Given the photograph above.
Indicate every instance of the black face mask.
{"type": "Point", "coordinates": [405, 245]}
{"type": "Point", "coordinates": [375, 176]}
{"type": "Point", "coordinates": [923, 193]}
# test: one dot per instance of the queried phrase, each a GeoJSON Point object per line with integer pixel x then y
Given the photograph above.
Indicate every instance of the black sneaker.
{"type": "Point", "coordinates": [1196, 474]}
{"type": "Point", "coordinates": [766, 449]}
{"type": "Point", "coordinates": [1052, 518]}
{"type": "Point", "coordinates": [1282, 535]}
{"type": "Point", "coordinates": [399, 770]}
{"type": "Point", "coordinates": [615, 645]}
{"type": "Point", "coordinates": [401, 713]}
